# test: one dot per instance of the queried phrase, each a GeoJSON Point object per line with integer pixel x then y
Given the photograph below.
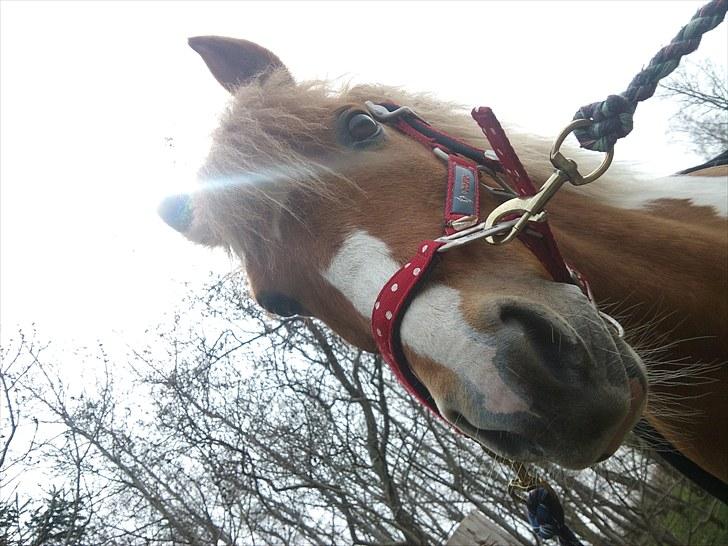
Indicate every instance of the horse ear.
{"type": "Point", "coordinates": [234, 62]}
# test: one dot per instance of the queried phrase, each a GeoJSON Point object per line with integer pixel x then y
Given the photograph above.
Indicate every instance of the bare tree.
{"type": "Point", "coordinates": [702, 90]}
{"type": "Point", "coordinates": [235, 427]}
{"type": "Point", "coordinates": [62, 517]}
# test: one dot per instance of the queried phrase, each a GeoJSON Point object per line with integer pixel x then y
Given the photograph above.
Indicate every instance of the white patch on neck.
{"type": "Point", "coordinates": [432, 326]}
{"type": "Point", "coordinates": [631, 192]}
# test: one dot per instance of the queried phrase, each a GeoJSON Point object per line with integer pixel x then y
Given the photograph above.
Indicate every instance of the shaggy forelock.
{"type": "Point", "coordinates": [274, 126]}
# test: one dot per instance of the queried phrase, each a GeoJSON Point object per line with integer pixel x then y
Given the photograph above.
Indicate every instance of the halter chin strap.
{"type": "Point", "coordinates": [461, 225]}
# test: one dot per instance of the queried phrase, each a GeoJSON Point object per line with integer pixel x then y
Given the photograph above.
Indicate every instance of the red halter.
{"type": "Point", "coordinates": [461, 213]}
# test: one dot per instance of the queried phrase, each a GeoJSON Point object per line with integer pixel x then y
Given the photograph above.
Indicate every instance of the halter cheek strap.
{"type": "Point", "coordinates": [461, 213]}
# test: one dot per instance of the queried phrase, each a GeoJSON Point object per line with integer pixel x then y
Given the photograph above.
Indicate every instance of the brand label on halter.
{"type": "Point", "coordinates": [463, 197]}
{"type": "Point", "coordinates": [463, 190]}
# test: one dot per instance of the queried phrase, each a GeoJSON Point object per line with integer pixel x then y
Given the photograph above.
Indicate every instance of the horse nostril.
{"type": "Point", "coordinates": [531, 336]}
{"type": "Point", "coordinates": [537, 326]}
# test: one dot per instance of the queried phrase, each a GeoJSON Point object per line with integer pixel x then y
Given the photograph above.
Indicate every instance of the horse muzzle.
{"type": "Point", "coordinates": [583, 387]}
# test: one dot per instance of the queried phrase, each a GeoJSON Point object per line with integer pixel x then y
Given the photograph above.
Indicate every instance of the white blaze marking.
{"type": "Point", "coordinates": [433, 325]}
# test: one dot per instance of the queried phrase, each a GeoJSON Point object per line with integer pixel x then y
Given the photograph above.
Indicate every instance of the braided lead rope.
{"type": "Point", "coordinates": [613, 117]}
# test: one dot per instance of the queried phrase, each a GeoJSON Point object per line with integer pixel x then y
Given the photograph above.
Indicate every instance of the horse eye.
{"type": "Point", "coordinates": [362, 127]}
{"type": "Point", "coordinates": [279, 304]}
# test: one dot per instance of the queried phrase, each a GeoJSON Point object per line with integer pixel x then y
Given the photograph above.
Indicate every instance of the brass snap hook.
{"type": "Point", "coordinates": [531, 208]}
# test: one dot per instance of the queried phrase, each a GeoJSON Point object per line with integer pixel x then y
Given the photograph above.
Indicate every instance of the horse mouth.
{"type": "Point", "coordinates": [506, 443]}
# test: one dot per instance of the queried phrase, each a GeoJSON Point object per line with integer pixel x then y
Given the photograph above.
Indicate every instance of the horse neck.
{"type": "Point", "coordinates": [664, 268]}
{"type": "Point", "coordinates": [667, 259]}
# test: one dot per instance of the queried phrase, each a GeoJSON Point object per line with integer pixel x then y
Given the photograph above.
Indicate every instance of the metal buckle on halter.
{"type": "Point", "coordinates": [531, 208]}
{"type": "Point", "coordinates": [463, 223]}
{"type": "Point", "coordinates": [380, 113]}
{"type": "Point", "coordinates": [471, 234]}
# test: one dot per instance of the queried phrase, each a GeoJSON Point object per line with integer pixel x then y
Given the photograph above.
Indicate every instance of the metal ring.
{"type": "Point", "coordinates": [579, 124]}
{"type": "Point", "coordinates": [613, 322]}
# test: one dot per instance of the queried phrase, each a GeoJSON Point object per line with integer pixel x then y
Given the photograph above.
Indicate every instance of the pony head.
{"type": "Point", "coordinates": [323, 204]}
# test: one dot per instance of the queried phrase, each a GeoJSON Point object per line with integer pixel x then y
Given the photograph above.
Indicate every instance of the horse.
{"type": "Point", "coordinates": [322, 202]}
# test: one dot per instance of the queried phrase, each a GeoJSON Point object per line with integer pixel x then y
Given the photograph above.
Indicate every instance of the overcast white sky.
{"type": "Point", "coordinates": [92, 92]}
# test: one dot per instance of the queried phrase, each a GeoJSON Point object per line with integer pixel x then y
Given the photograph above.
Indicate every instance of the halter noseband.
{"type": "Point", "coordinates": [462, 224]}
